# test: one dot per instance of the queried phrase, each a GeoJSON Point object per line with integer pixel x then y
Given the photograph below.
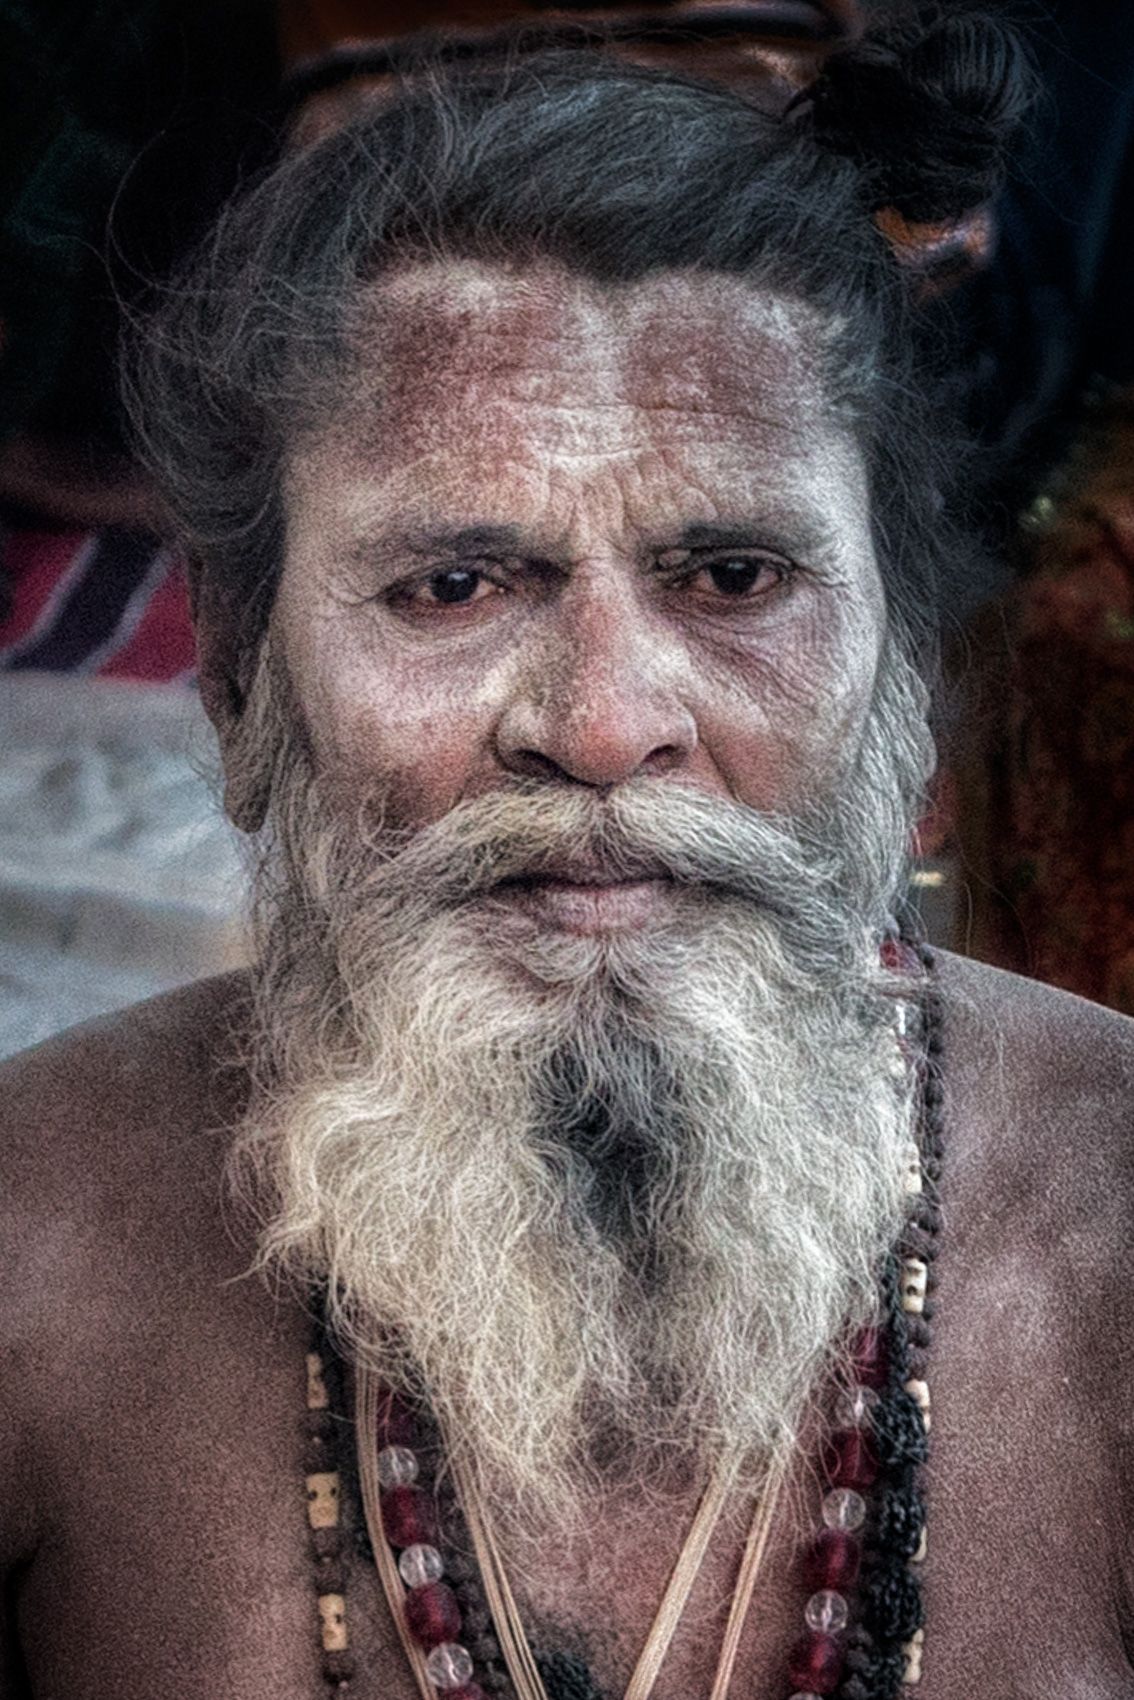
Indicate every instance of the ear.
{"type": "Point", "coordinates": [231, 676]}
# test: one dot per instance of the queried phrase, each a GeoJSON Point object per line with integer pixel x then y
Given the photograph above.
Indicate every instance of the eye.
{"type": "Point", "coordinates": [455, 584]}
{"type": "Point", "coordinates": [446, 587]}
{"type": "Point", "coordinates": [739, 576]}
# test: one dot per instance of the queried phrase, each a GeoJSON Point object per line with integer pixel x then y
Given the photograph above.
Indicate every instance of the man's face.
{"type": "Point", "coordinates": [580, 536]}
{"type": "Point", "coordinates": [578, 1080]}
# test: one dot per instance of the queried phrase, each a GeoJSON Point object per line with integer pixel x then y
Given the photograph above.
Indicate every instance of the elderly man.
{"type": "Point", "coordinates": [633, 1198]}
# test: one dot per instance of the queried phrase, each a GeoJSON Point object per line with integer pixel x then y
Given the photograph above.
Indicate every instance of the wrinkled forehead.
{"type": "Point", "coordinates": [682, 341]}
{"type": "Point", "coordinates": [465, 365]}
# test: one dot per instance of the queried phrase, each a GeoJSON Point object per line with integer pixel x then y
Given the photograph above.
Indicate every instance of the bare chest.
{"type": "Point", "coordinates": [177, 1559]}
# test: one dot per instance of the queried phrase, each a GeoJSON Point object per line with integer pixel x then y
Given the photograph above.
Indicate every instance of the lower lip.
{"type": "Point", "coordinates": [588, 909]}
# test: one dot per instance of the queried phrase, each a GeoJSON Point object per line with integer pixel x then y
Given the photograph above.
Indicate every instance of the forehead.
{"type": "Point", "coordinates": [474, 387]}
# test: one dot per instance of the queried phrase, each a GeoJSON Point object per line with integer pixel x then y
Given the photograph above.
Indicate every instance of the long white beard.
{"type": "Point", "coordinates": [611, 1202]}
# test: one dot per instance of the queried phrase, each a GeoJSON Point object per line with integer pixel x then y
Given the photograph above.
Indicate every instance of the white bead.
{"type": "Point", "coordinates": [854, 1406]}
{"type": "Point", "coordinates": [419, 1565]}
{"type": "Point", "coordinates": [911, 1168]}
{"type": "Point", "coordinates": [397, 1466]}
{"type": "Point", "coordinates": [826, 1612]}
{"type": "Point", "coordinates": [799, 1695]}
{"type": "Point", "coordinates": [332, 1621]}
{"type": "Point", "coordinates": [323, 1499]}
{"type": "Point", "coordinates": [913, 1651]}
{"type": "Point", "coordinates": [449, 1666]}
{"type": "Point", "coordinates": [919, 1393]}
{"type": "Point", "coordinates": [914, 1285]}
{"type": "Point", "coordinates": [317, 1397]}
{"type": "Point", "coordinates": [844, 1509]}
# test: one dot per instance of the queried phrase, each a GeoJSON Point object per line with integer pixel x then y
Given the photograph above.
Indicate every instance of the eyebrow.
{"type": "Point", "coordinates": [459, 540]}
{"type": "Point", "coordinates": [790, 535]}
{"type": "Point", "coordinates": [701, 534]}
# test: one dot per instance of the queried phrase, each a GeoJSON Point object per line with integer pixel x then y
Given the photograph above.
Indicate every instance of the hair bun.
{"type": "Point", "coordinates": [927, 107]}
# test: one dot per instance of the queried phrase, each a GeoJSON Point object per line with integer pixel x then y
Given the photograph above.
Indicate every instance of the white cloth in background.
{"type": "Point", "coordinates": [119, 876]}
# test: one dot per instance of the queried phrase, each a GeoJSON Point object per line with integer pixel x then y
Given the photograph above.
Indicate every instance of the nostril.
{"type": "Point", "coordinates": [533, 764]}
{"type": "Point", "coordinates": [663, 759]}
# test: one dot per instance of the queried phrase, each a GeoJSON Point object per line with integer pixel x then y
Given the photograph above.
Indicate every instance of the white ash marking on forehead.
{"type": "Point", "coordinates": [579, 313]}
{"type": "Point", "coordinates": [712, 349]}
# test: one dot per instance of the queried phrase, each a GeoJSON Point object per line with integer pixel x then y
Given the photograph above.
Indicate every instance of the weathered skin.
{"type": "Point", "coordinates": [150, 1459]}
{"type": "Point", "coordinates": [153, 1526]}
{"type": "Point", "coordinates": [596, 429]}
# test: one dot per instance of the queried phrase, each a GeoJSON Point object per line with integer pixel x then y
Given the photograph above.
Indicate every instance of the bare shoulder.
{"type": "Point", "coordinates": [1044, 1081]}
{"type": "Point", "coordinates": [1038, 1185]}
{"type": "Point", "coordinates": [1035, 1349]}
{"type": "Point", "coordinates": [990, 1002]}
{"type": "Point", "coordinates": [111, 1147]}
{"type": "Point", "coordinates": [95, 1107]}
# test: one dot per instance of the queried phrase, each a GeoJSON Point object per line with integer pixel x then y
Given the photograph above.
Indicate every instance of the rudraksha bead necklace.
{"type": "Point", "coordinates": [863, 1617]}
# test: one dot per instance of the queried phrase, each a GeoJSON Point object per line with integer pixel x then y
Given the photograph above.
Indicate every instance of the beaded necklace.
{"type": "Point", "coordinates": [863, 1618]}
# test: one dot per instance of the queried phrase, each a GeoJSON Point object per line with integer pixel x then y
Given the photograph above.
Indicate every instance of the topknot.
{"type": "Point", "coordinates": [927, 107]}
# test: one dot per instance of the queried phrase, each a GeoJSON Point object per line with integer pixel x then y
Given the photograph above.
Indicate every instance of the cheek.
{"type": "Point", "coordinates": [791, 725]}
{"type": "Point", "coordinates": [390, 724]}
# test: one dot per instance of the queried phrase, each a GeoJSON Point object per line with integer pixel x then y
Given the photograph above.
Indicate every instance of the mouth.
{"type": "Point", "coordinates": [587, 901]}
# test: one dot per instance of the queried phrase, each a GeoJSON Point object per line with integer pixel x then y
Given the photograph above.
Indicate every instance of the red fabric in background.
{"type": "Point", "coordinates": [162, 645]}
{"type": "Point", "coordinates": [108, 603]}
{"type": "Point", "coordinates": [37, 568]}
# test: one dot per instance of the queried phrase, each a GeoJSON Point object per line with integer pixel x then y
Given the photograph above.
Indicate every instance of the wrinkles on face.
{"type": "Point", "coordinates": [557, 447]}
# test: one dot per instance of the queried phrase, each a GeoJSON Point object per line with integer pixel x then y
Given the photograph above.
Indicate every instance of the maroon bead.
{"type": "Point", "coordinates": [871, 1358]}
{"type": "Point", "coordinates": [816, 1664]}
{"type": "Point", "coordinates": [326, 1543]}
{"type": "Point", "coordinates": [899, 957]}
{"type": "Point", "coordinates": [852, 1461]}
{"type": "Point", "coordinates": [833, 1561]}
{"type": "Point", "coordinates": [433, 1614]}
{"type": "Point", "coordinates": [469, 1691]}
{"type": "Point", "coordinates": [408, 1516]}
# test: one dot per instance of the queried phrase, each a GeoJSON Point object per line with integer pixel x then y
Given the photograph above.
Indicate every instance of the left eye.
{"type": "Point", "coordinates": [739, 576]}
{"type": "Point", "coordinates": [456, 584]}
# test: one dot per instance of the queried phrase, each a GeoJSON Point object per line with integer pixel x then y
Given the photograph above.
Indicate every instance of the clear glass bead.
{"type": "Point", "coordinates": [420, 1564]}
{"type": "Point", "coordinates": [397, 1466]}
{"type": "Point", "coordinates": [854, 1406]}
{"type": "Point", "coordinates": [844, 1509]}
{"type": "Point", "coordinates": [826, 1612]}
{"type": "Point", "coordinates": [449, 1666]}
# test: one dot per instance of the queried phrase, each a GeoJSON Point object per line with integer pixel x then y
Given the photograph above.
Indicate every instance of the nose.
{"type": "Point", "coordinates": [600, 699]}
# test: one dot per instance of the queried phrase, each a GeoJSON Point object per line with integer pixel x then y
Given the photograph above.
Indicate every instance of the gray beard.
{"type": "Point", "coordinates": [613, 1203]}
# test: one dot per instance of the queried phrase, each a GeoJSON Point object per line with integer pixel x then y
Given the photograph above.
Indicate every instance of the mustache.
{"type": "Point", "coordinates": [644, 829]}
